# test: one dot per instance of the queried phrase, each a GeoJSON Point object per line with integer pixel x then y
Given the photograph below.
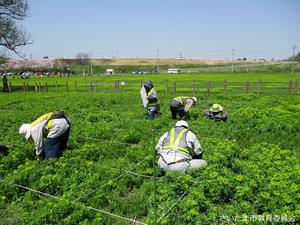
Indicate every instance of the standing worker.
{"type": "Point", "coordinates": [181, 106]}
{"type": "Point", "coordinates": [55, 126]}
{"type": "Point", "coordinates": [152, 106]}
{"type": "Point", "coordinates": [216, 113]}
{"type": "Point", "coordinates": [5, 83]}
{"type": "Point", "coordinates": [179, 149]}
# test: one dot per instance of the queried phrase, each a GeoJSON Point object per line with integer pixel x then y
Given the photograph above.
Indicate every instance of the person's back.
{"type": "Point", "coordinates": [179, 149]}
{"type": "Point", "coordinates": [181, 105]}
{"type": "Point", "coordinates": [55, 126]}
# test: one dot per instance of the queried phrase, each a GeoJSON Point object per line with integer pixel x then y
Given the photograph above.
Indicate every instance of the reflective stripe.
{"type": "Point", "coordinates": [179, 99]}
{"type": "Point", "coordinates": [179, 136]}
{"type": "Point", "coordinates": [150, 92]}
{"type": "Point", "coordinates": [153, 103]}
{"type": "Point", "coordinates": [172, 136]}
{"type": "Point", "coordinates": [46, 116]}
{"type": "Point", "coordinates": [49, 124]}
{"type": "Point", "coordinates": [174, 144]}
{"type": "Point", "coordinates": [156, 103]}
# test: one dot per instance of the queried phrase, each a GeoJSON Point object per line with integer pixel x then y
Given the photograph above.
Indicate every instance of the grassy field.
{"type": "Point", "coordinates": [253, 159]}
{"type": "Point", "coordinates": [282, 77]}
{"type": "Point", "coordinates": [193, 84]}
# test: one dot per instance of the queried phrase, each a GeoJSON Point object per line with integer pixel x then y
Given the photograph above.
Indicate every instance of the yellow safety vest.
{"type": "Point", "coordinates": [47, 117]}
{"type": "Point", "coordinates": [174, 144]}
{"type": "Point", "coordinates": [152, 103]}
{"type": "Point", "coordinates": [181, 99]}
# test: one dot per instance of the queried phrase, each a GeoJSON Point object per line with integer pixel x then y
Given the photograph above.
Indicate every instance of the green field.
{"type": "Point", "coordinates": [109, 175]}
{"type": "Point", "coordinates": [185, 83]}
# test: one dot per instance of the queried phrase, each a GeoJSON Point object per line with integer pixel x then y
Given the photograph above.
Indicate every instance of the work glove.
{"type": "Point", "coordinates": [217, 118]}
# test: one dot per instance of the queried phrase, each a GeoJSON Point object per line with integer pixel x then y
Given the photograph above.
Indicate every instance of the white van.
{"type": "Point", "coordinates": [172, 71]}
{"type": "Point", "coordinates": [109, 72]}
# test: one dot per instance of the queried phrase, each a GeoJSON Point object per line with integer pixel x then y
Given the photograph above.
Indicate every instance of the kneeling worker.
{"type": "Point", "coordinates": [216, 113]}
{"type": "Point", "coordinates": [181, 106]}
{"type": "Point", "coordinates": [55, 126]}
{"type": "Point", "coordinates": [179, 149]}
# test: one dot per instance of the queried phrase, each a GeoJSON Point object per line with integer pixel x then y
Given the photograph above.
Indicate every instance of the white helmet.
{"type": "Point", "coordinates": [182, 123]}
{"type": "Point", "coordinates": [194, 99]}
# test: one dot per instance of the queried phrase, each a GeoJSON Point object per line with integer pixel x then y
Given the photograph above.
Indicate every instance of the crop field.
{"type": "Point", "coordinates": [109, 173]}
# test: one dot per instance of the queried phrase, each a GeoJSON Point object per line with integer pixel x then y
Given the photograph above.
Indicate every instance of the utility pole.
{"type": "Point", "coordinates": [157, 61]}
{"type": "Point", "coordinates": [91, 63]}
{"type": "Point", "coordinates": [232, 69]}
{"type": "Point", "coordinates": [294, 48]}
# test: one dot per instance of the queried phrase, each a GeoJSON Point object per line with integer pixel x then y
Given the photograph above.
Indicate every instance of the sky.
{"type": "Point", "coordinates": [200, 29]}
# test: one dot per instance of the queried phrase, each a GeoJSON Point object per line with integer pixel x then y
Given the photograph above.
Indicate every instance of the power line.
{"type": "Point", "coordinates": [109, 141]}
{"type": "Point", "coordinates": [294, 48]}
{"type": "Point", "coordinates": [163, 53]}
{"type": "Point", "coordinates": [128, 171]}
{"type": "Point", "coordinates": [88, 207]}
{"type": "Point", "coordinates": [121, 217]}
{"type": "Point", "coordinates": [165, 213]}
{"type": "Point", "coordinates": [123, 174]}
{"type": "Point", "coordinates": [232, 70]}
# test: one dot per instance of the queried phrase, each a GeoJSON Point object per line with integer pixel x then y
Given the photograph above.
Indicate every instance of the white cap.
{"type": "Point", "coordinates": [182, 123]}
{"type": "Point", "coordinates": [24, 130]}
{"type": "Point", "coordinates": [194, 99]}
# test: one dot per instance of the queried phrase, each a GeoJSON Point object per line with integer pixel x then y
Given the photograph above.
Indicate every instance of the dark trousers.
{"type": "Point", "coordinates": [152, 111]}
{"type": "Point", "coordinates": [54, 146]}
{"type": "Point", "coordinates": [177, 108]}
{"type": "Point", "coordinates": [216, 116]}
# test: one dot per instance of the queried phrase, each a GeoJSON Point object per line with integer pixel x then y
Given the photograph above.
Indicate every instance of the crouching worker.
{"type": "Point", "coordinates": [181, 106]}
{"type": "Point", "coordinates": [49, 133]}
{"type": "Point", "coordinates": [216, 112]}
{"type": "Point", "coordinates": [179, 149]}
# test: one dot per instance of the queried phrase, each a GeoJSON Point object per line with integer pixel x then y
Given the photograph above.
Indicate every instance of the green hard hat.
{"type": "Point", "coordinates": [216, 108]}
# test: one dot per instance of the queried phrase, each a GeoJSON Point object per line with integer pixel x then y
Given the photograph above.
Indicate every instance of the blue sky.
{"type": "Point", "coordinates": [205, 29]}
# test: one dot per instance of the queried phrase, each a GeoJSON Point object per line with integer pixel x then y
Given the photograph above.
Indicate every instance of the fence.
{"type": "Point", "coordinates": [274, 67]}
{"type": "Point", "coordinates": [175, 87]}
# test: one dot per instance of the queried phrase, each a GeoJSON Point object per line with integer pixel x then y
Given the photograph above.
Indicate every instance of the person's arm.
{"type": "Point", "coordinates": [224, 114]}
{"type": "Point", "coordinates": [160, 142]}
{"type": "Point", "coordinates": [37, 137]}
{"type": "Point", "coordinates": [194, 144]}
{"type": "Point", "coordinates": [188, 105]}
{"type": "Point", "coordinates": [208, 114]}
